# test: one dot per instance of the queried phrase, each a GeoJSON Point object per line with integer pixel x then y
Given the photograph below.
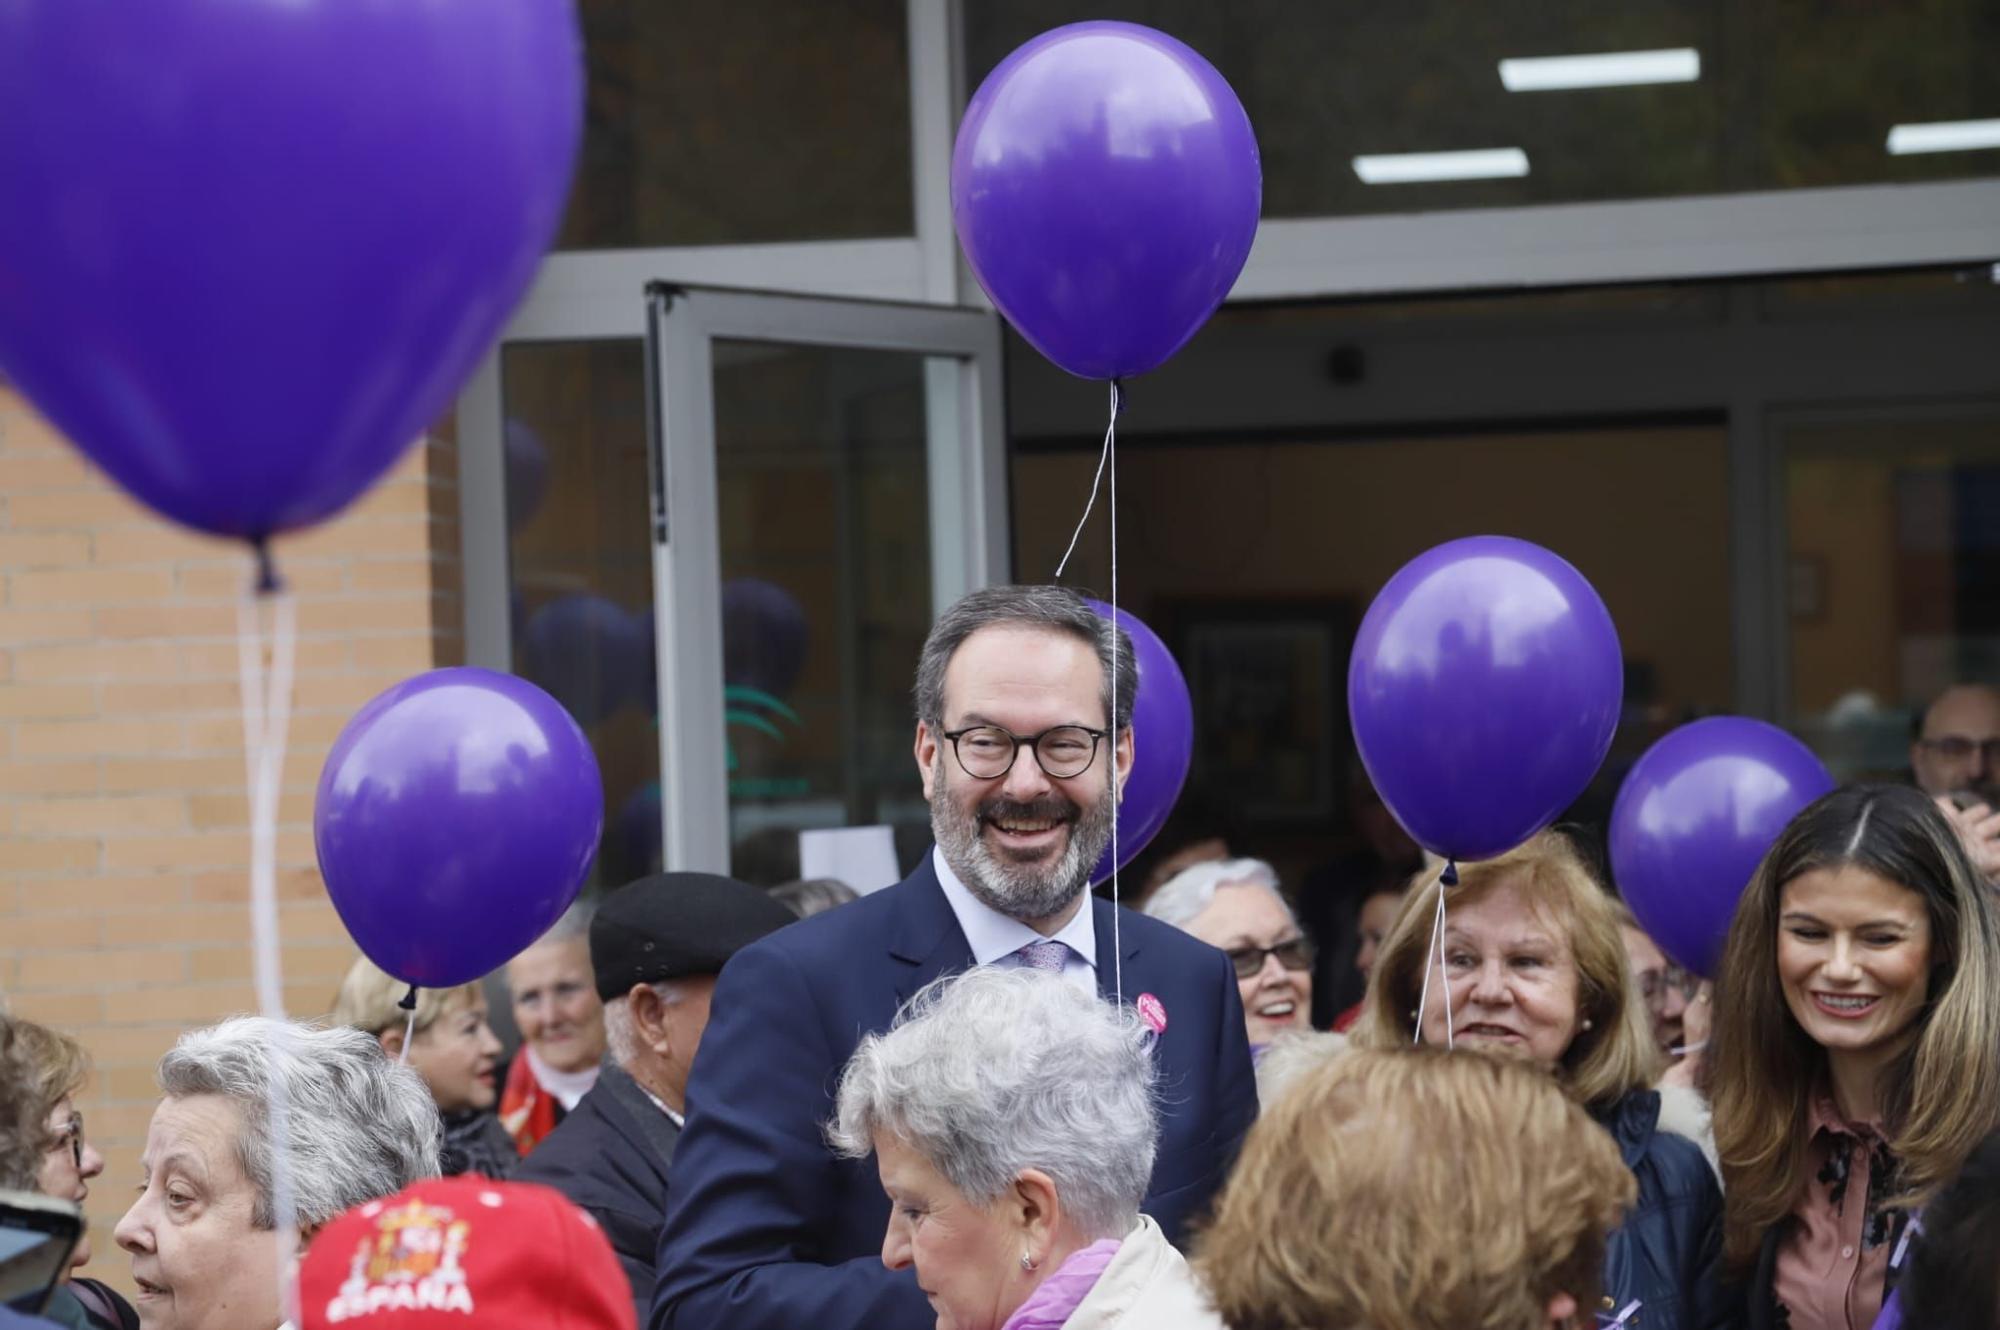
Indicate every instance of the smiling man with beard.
{"type": "Point", "coordinates": [1017, 747]}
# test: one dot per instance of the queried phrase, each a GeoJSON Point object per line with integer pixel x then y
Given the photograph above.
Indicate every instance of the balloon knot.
{"type": "Point", "coordinates": [1117, 397]}
{"type": "Point", "coordinates": [1450, 875]}
{"type": "Point", "coordinates": [409, 1002]}
{"type": "Point", "coordinates": [268, 583]}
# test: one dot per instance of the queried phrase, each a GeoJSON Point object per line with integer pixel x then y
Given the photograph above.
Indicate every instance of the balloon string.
{"type": "Point", "coordinates": [1103, 457]}
{"type": "Point", "coordinates": [267, 705]}
{"type": "Point", "coordinates": [1435, 960]}
{"type": "Point", "coordinates": [1110, 456]}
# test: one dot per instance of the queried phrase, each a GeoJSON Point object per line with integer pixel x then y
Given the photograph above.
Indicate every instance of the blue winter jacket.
{"type": "Point", "coordinates": [1668, 1253]}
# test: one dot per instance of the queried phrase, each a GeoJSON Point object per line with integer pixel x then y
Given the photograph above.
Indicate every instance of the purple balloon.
{"type": "Point", "coordinates": [764, 636]}
{"type": "Point", "coordinates": [456, 818]}
{"type": "Point", "coordinates": [588, 653]}
{"type": "Point", "coordinates": [252, 250]}
{"type": "Point", "coordinates": [1483, 693]}
{"type": "Point", "coordinates": [1105, 186]}
{"type": "Point", "coordinates": [1695, 816]}
{"type": "Point", "coordinates": [527, 473]}
{"type": "Point", "coordinates": [1162, 741]}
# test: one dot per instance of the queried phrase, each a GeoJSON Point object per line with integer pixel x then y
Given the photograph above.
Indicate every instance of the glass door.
{"type": "Point", "coordinates": [825, 476]}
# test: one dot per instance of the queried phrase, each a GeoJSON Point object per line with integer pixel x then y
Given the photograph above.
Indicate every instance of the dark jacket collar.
{"type": "Point", "coordinates": [628, 1107]}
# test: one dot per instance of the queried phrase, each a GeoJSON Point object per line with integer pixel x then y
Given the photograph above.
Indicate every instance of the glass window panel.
{"type": "Point", "coordinates": [1892, 575]}
{"type": "Point", "coordinates": [1792, 93]}
{"type": "Point", "coordinates": [581, 564]}
{"type": "Point", "coordinates": [823, 497]}
{"type": "Point", "coordinates": [756, 121]}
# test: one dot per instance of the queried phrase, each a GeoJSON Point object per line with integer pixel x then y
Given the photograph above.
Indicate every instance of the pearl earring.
{"type": "Point", "coordinates": [1586, 1022]}
{"type": "Point", "coordinates": [1027, 1261]}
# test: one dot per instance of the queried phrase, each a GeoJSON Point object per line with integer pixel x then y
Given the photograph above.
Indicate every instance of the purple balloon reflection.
{"type": "Point", "coordinates": [250, 251]}
{"type": "Point", "coordinates": [1483, 691]}
{"type": "Point", "coordinates": [589, 653]}
{"type": "Point", "coordinates": [1105, 186]}
{"type": "Point", "coordinates": [1695, 816]}
{"type": "Point", "coordinates": [1162, 741]}
{"type": "Point", "coordinates": [455, 820]}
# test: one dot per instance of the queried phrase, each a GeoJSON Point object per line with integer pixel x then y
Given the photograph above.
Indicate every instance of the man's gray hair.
{"type": "Point", "coordinates": [1187, 893]}
{"type": "Point", "coordinates": [1051, 608]}
{"type": "Point", "coordinates": [996, 1071]}
{"type": "Point", "coordinates": [619, 1035]}
{"type": "Point", "coordinates": [357, 1126]}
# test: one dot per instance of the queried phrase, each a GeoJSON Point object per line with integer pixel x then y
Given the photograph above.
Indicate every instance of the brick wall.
{"type": "Point", "coordinates": [124, 840]}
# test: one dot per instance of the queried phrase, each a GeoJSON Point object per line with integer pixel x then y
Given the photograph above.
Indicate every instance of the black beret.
{"type": "Point", "coordinates": [672, 925]}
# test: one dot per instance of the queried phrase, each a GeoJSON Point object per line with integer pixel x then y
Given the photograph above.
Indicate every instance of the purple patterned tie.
{"type": "Point", "coordinates": [1046, 955]}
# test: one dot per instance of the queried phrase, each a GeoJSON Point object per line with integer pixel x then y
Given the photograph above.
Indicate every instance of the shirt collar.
{"type": "Point", "coordinates": [993, 934]}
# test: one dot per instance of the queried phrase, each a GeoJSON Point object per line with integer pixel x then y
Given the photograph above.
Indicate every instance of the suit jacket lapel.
{"type": "Point", "coordinates": [635, 1114]}
{"type": "Point", "coordinates": [927, 941]}
{"type": "Point", "coordinates": [1102, 912]}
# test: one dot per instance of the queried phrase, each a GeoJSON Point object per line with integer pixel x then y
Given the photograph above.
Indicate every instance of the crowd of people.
{"type": "Point", "coordinates": [984, 1099]}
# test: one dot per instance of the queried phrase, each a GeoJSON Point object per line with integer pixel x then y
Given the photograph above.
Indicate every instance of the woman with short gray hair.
{"type": "Point", "coordinates": [1237, 906]}
{"type": "Point", "coordinates": [355, 1126]}
{"type": "Point", "coordinates": [1013, 1121]}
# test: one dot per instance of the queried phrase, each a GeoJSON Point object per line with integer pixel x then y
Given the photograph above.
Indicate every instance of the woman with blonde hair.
{"type": "Point", "coordinates": [59, 1068]}
{"type": "Point", "coordinates": [1411, 1190]}
{"type": "Point", "coordinates": [1855, 1062]}
{"type": "Point", "coordinates": [451, 1046]}
{"type": "Point", "coordinates": [1532, 965]}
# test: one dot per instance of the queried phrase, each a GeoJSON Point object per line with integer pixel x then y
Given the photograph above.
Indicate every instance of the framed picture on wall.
{"type": "Point", "coordinates": [1268, 677]}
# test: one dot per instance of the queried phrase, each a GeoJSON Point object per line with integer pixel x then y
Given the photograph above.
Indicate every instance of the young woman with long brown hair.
{"type": "Point", "coordinates": [1855, 1060]}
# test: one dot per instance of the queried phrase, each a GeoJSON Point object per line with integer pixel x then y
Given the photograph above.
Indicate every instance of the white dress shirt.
{"type": "Point", "coordinates": [995, 937]}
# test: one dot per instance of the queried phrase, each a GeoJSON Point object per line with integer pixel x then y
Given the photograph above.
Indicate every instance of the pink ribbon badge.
{"type": "Point", "coordinates": [1153, 1012]}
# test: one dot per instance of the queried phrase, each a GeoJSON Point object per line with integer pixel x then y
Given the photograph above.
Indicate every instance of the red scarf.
{"type": "Point", "coordinates": [527, 1111]}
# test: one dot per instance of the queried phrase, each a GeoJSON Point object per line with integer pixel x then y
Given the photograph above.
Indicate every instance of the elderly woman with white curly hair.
{"type": "Point", "coordinates": [203, 1233]}
{"type": "Point", "coordinates": [1012, 1118]}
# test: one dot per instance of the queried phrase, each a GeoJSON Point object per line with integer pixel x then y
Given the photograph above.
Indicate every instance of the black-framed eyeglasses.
{"type": "Point", "coordinates": [71, 1134]}
{"type": "Point", "coordinates": [1655, 985]}
{"type": "Point", "coordinates": [1293, 953]}
{"type": "Point", "coordinates": [1957, 748]}
{"type": "Point", "coordinates": [988, 752]}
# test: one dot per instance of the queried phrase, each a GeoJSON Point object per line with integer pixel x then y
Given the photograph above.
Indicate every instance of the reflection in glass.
{"type": "Point", "coordinates": [581, 562]}
{"type": "Point", "coordinates": [1892, 576]}
{"type": "Point", "coordinates": [750, 122]}
{"type": "Point", "coordinates": [825, 529]}
{"type": "Point", "coordinates": [1789, 93]}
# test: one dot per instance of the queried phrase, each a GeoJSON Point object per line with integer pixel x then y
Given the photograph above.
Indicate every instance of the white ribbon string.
{"type": "Point", "coordinates": [267, 706]}
{"type": "Point", "coordinates": [1103, 459]}
{"type": "Point", "coordinates": [1435, 960]}
{"type": "Point", "coordinates": [1110, 457]}
{"type": "Point", "coordinates": [1107, 459]}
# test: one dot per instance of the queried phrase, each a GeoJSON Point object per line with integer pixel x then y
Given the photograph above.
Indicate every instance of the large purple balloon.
{"type": "Point", "coordinates": [1105, 186]}
{"type": "Point", "coordinates": [1162, 741]}
{"type": "Point", "coordinates": [456, 818]}
{"type": "Point", "coordinates": [250, 250]}
{"type": "Point", "coordinates": [1483, 692]}
{"type": "Point", "coordinates": [1695, 816]}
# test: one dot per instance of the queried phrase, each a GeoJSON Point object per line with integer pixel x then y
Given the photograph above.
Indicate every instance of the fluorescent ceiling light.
{"type": "Point", "coordinates": [1614, 69]}
{"type": "Point", "coordinates": [1402, 168]}
{"type": "Point", "coordinates": [1944, 136]}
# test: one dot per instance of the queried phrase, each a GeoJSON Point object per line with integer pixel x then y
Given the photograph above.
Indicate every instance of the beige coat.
{"type": "Point", "coordinates": [1147, 1286]}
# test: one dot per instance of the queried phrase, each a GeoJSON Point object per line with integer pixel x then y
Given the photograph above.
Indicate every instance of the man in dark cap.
{"type": "Point", "coordinates": [656, 945]}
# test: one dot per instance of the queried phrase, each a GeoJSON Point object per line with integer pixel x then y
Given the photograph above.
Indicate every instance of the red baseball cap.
{"type": "Point", "coordinates": [457, 1252]}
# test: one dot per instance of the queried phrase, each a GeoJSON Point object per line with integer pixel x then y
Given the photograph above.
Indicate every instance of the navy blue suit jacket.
{"type": "Point", "coordinates": [767, 1230]}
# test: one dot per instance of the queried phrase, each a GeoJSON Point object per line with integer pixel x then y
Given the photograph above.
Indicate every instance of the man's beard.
{"type": "Point", "coordinates": [1020, 891]}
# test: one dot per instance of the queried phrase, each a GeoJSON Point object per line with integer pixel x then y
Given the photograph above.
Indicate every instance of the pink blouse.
{"type": "Point", "coordinates": [1833, 1264]}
